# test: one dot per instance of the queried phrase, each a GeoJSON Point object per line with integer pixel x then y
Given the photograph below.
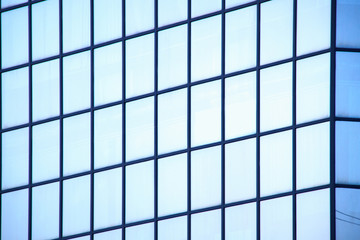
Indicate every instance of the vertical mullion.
{"type": "Point", "coordinates": [189, 121]}
{"type": "Point", "coordinates": [30, 118]}
{"type": "Point", "coordinates": [92, 119]}
{"type": "Point", "coordinates": [61, 119]}
{"type": "Point", "coordinates": [0, 122]}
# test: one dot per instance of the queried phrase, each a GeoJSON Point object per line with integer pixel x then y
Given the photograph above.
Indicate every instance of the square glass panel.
{"type": "Point", "coordinates": [173, 228]}
{"type": "Point", "coordinates": [240, 222]}
{"type": "Point", "coordinates": [113, 235]}
{"type": "Point", "coordinates": [347, 23]}
{"type": "Point", "coordinates": [201, 7]}
{"type": "Point", "coordinates": [171, 11]}
{"type": "Point", "coordinates": [139, 16]}
{"type": "Point", "coordinates": [233, 3]}
{"type": "Point", "coordinates": [206, 225]}
{"type": "Point", "coordinates": [143, 232]}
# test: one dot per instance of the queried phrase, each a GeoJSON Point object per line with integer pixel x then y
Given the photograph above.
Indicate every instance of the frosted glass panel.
{"type": "Point", "coordinates": [15, 158]}
{"type": "Point", "coordinates": [205, 48]}
{"type": "Point", "coordinates": [206, 226]}
{"type": "Point", "coordinates": [276, 163]}
{"type": "Point", "coordinates": [143, 232]}
{"type": "Point", "coordinates": [45, 151]}
{"type": "Point", "coordinates": [45, 90]}
{"type": "Point", "coordinates": [113, 235]}
{"type": "Point", "coordinates": [45, 211]}
{"type": "Point", "coordinates": [139, 191]}
{"type": "Point", "coordinates": [108, 136]}
{"type": "Point", "coordinates": [171, 11]}
{"type": "Point", "coordinates": [240, 39]}
{"type": "Point", "coordinates": [240, 105]}
{"type": "Point", "coordinates": [205, 178]}
{"type": "Point", "coordinates": [240, 222]}
{"type": "Point", "coordinates": [172, 121]}
{"type": "Point", "coordinates": [201, 7]}
{"type": "Point", "coordinates": [205, 113]}
{"type": "Point", "coordinates": [45, 29]}
{"type": "Point", "coordinates": [139, 15]}
{"type": "Point", "coordinates": [347, 24]}
{"type": "Point", "coordinates": [240, 170]}
{"type": "Point", "coordinates": [15, 97]}
{"type": "Point", "coordinates": [172, 185]}
{"type": "Point", "coordinates": [174, 229]}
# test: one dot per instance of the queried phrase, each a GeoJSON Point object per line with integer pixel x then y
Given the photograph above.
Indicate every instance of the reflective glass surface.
{"type": "Point", "coordinates": [143, 232]}
{"type": "Point", "coordinates": [174, 229]}
{"type": "Point", "coordinates": [113, 235]}
{"type": "Point", "coordinates": [240, 222]}
{"type": "Point", "coordinates": [171, 11]}
{"type": "Point", "coordinates": [201, 7]}
{"type": "Point", "coordinates": [206, 225]}
{"type": "Point", "coordinates": [347, 27]}
{"type": "Point", "coordinates": [139, 15]}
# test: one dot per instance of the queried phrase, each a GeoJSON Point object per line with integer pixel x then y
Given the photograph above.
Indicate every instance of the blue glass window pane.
{"type": "Point", "coordinates": [113, 235]}
{"type": "Point", "coordinates": [206, 225]}
{"type": "Point", "coordinates": [8, 3]}
{"type": "Point", "coordinates": [174, 229]}
{"type": "Point", "coordinates": [347, 23]}
{"type": "Point", "coordinates": [139, 15]}
{"type": "Point", "coordinates": [240, 222]}
{"type": "Point", "coordinates": [233, 3]}
{"type": "Point", "coordinates": [143, 232]}
{"type": "Point", "coordinates": [171, 11]}
{"type": "Point", "coordinates": [201, 7]}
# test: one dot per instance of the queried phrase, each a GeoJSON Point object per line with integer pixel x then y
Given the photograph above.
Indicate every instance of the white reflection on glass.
{"type": "Point", "coordinates": [173, 228]}
{"type": "Point", "coordinates": [76, 144]}
{"type": "Point", "coordinates": [240, 170]}
{"type": "Point", "coordinates": [233, 3]}
{"type": "Point", "coordinates": [172, 184]}
{"type": "Point", "coordinates": [313, 88]}
{"type": "Point", "coordinates": [313, 215]}
{"type": "Point", "coordinates": [15, 97]}
{"type": "Point", "coordinates": [347, 23]}
{"type": "Point", "coordinates": [276, 219]}
{"type": "Point", "coordinates": [8, 3]}
{"type": "Point", "coordinates": [14, 215]}
{"type": "Point", "coordinates": [139, 129]}
{"type": "Point", "coordinates": [45, 90]}
{"type": "Point", "coordinates": [76, 82]}
{"type": "Point", "coordinates": [205, 113]}
{"type": "Point", "coordinates": [205, 48]}
{"type": "Point", "coordinates": [76, 205]}
{"type": "Point", "coordinates": [45, 212]}
{"type": "Point", "coordinates": [313, 155]}
{"type": "Point", "coordinates": [206, 225]}
{"type": "Point", "coordinates": [15, 158]}
{"type": "Point", "coordinates": [172, 121]}
{"type": "Point", "coordinates": [45, 29]}
{"type": "Point", "coordinates": [113, 235]}
{"type": "Point", "coordinates": [172, 62]}
{"type": "Point", "coordinates": [276, 163]}
{"type": "Point", "coordinates": [143, 232]}
{"type": "Point", "coordinates": [201, 7]}
{"type": "Point", "coordinates": [240, 39]}
{"type": "Point", "coordinates": [276, 30]}
{"type": "Point", "coordinates": [108, 74]}
{"type": "Point", "coordinates": [139, 15]}
{"type": "Point", "coordinates": [240, 105]}
{"type": "Point", "coordinates": [14, 37]}
{"type": "Point", "coordinates": [139, 65]}
{"type": "Point", "coordinates": [107, 20]}
{"type": "Point", "coordinates": [276, 97]}
{"type": "Point", "coordinates": [108, 136]}
{"type": "Point", "coordinates": [45, 151]}
{"type": "Point", "coordinates": [205, 178]}
{"type": "Point", "coordinates": [139, 191]}
{"type": "Point", "coordinates": [171, 11]}
{"type": "Point", "coordinates": [241, 222]}
{"type": "Point", "coordinates": [108, 198]}
{"type": "Point", "coordinates": [76, 24]}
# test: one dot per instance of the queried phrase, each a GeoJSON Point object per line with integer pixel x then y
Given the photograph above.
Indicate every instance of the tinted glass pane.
{"type": "Point", "coordinates": [139, 15]}
{"type": "Point", "coordinates": [171, 11]}
{"type": "Point", "coordinates": [201, 7]}
{"type": "Point", "coordinates": [233, 3]}
{"type": "Point", "coordinates": [206, 225]}
{"type": "Point", "coordinates": [143, 232]}
{"type": "Point", "coordinates": [241, 222]}
{"type": "Point", "coordinates": [113, 235]}
{"type": "Point", "coordinates": [8, 3]}
{"type": "Point", "coordinates": [347, 27]}
{"type": "Point", "coordinates": [174, 229]}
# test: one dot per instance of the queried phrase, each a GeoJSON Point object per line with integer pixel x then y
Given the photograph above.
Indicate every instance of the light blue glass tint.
{"type": "Point", "coordinates": [172, 184]}
{"type": "Point", "coordinates": [76, 24]}
{"type": "Point", "coordinates": [14, 215]}
{"type": "Point", "coordinates": [240, 105]}
{"type": "Point", "coordinates": [347, 23]}
{"type": "Point", "coordinates": [108, 74]}
{"type": "Point", "coordinates": [313, 88]}
{"type": "Point", "coordinates": [206, 48]}
{"type": "Point", "coordinates": [347, 214]}
{"type": "Point", "coordinates": [140, 129]}
{"type": "Point", "coordinates": [81, 238]}
{"type": "Point", "coordinates": [276, 219]}
{"type": "Point", "coordinates": [45, 90]}
{"type": "Point", "coordinates": [139, 15]}
{"type": "Point", "coordinates": [76, 144]}
{"type": "Point", "coordinates": [206, 225]}
{"type": "Point", "coordinates": [205, 113]}
{"type": "Point", "coordinates": [171, 11]}
{"type": "Point", "coordinates": [347, 84]}
{"type": "Point", "coordinates": [108, 198]}
{"type": "Point", "coordinates": [8, 3]}
{"type": "Point", "coordinates": [139, 65]}
{"type": "Point", "coordinates": [45, 211]}
{"type": "Point", "coordinates": [14, 158]}
{"type": "Point", "coordinates": [139, 191]}
{"type": "Point", "coordinates": [313, 25]}
{"type": "Point", "coordinates": [172, 59]}
{"type": "Point", "coordinates": [113, 235]}
{"type": "Point", "coordinates": [276, 30]}
{"type": "Point", "coordinates": [15, 97]}
{"type": "Point", "coordinates": [201, 7]}
{"type": "Point", "coordinates": [172, 121]}
{"type": "Point", "coordinates": [240, 39]}
{"type": "Point", "coordinates": [45, 29]}
{"type": "Point", "coordinates": [276, 97]}
{"type": "Point", "coordinates": [205, 177]}
{"type": "Point", "coordinates": [313, 155]}
{"type": "Point", "coordinates": [45, 151]}
{"type": "Point", "coordinates": [174, 229]}
{"type": "Point", "coordinates": [107, 20]}
{"type": "Point", "coordinates": [313, 215]}
{"type": "Point", "coordinates": [14, 37]}
{"type": "Point", "coordinates": [76, 82]}
{"type": "Point", "coordinates": [233, 3]}
{"type": "Point", "coordinates": [143, 232]}
{"type": "Point", "coordinates": [76, 205]}
{"type": "Point", "coordinates": [108, 136]}
{"type": "Point", "coordinates": [240, 170]}
{"type": "Point", "coordinates": [347, 152]}
{"type": "Point", "coordinates": [240, 222]}
{"type": "Point", "coordinates": [276, 163]}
